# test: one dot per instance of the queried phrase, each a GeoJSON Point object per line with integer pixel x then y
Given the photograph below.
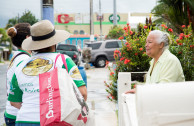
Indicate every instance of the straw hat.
{"type": "Point", "coordinates": [43, 35]}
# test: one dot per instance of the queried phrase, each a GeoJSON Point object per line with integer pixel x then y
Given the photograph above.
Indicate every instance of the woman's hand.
{"type": "Point", "coordinates": [17, 105]}
{"type": "Point", "coordinates": [132, 91]}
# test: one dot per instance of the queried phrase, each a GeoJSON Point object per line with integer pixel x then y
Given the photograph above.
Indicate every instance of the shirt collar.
{"type": "Point", "coordinates": [163, 56]}
{"type": "Point", "coordinates": [23, 51]}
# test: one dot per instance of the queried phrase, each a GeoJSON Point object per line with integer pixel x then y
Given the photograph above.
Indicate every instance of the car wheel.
{"type": "Point", "coordinates": [101, 62]}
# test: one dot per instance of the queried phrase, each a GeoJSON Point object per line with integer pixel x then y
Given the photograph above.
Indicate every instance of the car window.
{"type": "Point", "coordinates": [66, 47]}
{"type": "Point", "coordinates": [112, 45]}
{"type": "Point", "coordinates": [94, 45]}
{"type": "Point", "coordinates": [120, 44]}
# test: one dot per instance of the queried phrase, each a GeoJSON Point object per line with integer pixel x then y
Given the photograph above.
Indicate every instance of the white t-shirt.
{"type": "Point", "coordinates": [27, 83]}
{"type": "Point", "coordinates": [11, 111]}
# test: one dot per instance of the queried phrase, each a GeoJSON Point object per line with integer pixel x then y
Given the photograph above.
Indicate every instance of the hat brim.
{"type": "Point", "coordinates": [60, 35]}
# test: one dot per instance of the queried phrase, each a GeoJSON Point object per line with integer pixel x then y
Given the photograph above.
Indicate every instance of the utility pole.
{"type": "Point", "coordinates": [47, 10]}
{"type": "Point", "coordinates": [91, 22]}
{"type": "Point", "coordinates": [100, 15]}
{"type": "Point", "coordinates": [114, 13]}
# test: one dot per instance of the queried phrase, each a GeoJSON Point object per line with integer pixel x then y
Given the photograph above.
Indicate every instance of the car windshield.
{"type": "Point", "coordinates": [66, 47]}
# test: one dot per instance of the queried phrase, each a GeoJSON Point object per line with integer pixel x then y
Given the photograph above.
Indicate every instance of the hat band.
{"type": "Point", "coordinates": [38, 38]}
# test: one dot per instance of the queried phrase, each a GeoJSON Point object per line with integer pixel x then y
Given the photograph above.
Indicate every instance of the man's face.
{"type": "Point", "coordinates": [152, 47]}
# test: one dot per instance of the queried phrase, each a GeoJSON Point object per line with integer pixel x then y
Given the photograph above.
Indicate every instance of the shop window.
{"type": "Point", "coordinates": [75, 32]}
{"type": "Point", "coordinates": [82, 32]}
{"type": "Point", "coordinates": [73, 42]}
{"type": "Point", "coordinates": [68, 41]}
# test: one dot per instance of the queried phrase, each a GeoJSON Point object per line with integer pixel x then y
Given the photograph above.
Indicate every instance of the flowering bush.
{"type": "Point", "coordinates": [132, 56]}
{"type": "Point", "coordinates": [183, 48]}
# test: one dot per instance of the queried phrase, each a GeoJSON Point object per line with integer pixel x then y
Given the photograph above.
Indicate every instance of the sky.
{"type": "Point", "coordinates": [12, 8]}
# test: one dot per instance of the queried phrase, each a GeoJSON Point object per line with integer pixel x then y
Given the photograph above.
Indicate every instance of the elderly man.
{"type": "Point", "coordinates": [164, 67]}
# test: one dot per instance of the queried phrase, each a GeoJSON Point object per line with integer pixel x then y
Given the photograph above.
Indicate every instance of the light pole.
{"type": "Point", "coordinates": [91, 22]}
{"type": "Point", "coordinates": [114, 13]}
{"type": "Point", "coordinates": [100, 15]}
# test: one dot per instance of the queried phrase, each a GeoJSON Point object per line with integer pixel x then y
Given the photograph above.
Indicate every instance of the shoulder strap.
{"type": "Point", "coordinates": [63, 59]}
{"type": "Point", "coordinates": [18, 55]}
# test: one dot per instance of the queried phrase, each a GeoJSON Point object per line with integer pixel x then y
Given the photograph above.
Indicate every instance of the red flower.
{"type": "Point", "coordinates": [181, 34]}
{"type": "Point", "coordinates": [125, 28]}
{"type": "Point", "coordinates": [127, 24]}
{"type": "Point", "coordinates": [127, 61]}
{"type": "Point", "coordinates": [121, 38]}
{"type": "Point", "coordinates": [111, 73]}
{"type": "Point", "coordinates": [180, 37]}
{"type": "Point", "coordinates": [191, 46]}
{"type": "Point", "coordinates": [183, 26]}
{"type": "Point", "coordinates": [122, 58]}
{"type": "Point", "coordinates": [177, 40]}
{"type": "Point", "coordinates": [165, 27]}
{"type": "Point", "coordinates": [140, 49]}
{"type": "Point", "coordinates": [170, 30]}
{"type": "Point", "coordinates": [180, 52]}
{"type": "Point", "coordinates": [180, 44]}
{"type": "Point", "coordinates": [131, 32]}
{"type": "Point", "coordinates": [186, 36]}
{"type": "Point", "coordinates": [113, 97]}
{"type": "Point", "coordinates": [136, 54]}
{"type": "Point", "coordinates": [145, 27]}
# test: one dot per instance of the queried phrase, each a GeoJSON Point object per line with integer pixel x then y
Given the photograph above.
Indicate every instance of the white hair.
{"type": "Point", "coordinates": [161, 37]}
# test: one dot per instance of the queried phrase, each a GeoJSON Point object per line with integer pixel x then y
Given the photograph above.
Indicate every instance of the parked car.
{"type": "Point", "coordinates": [102, 51]}
{"type": "Point", "coordinates": [70, 50]}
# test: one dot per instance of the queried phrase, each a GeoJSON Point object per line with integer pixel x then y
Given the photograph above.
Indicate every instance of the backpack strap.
{"type": "Point", "coordinates": [63, 59]}
{"type": "Point", "coordinates": [17, 56]}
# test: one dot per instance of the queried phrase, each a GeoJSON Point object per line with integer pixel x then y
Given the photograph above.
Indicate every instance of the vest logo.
{"type": "Point", "coordinates": [64, 18]}
{"type": "Point", "coordinates": [37, 66]}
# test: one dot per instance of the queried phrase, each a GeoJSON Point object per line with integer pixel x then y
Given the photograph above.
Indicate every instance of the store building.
{"type": "Point", "coordinates": [80, 23]}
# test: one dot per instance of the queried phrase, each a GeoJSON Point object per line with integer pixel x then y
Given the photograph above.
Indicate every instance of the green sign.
{"type": "Point", "coordinates": [111, 17]}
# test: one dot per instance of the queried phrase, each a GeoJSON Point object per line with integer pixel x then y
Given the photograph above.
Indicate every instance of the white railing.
{"type": "Point", "coordinates": [155, 104]}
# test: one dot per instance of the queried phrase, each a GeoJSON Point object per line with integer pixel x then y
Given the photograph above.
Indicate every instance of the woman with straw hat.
{"type": "Point", "coordinates": [25, 94]}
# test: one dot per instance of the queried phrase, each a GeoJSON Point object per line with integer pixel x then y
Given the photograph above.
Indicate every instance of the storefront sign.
{"type": "Point", "coordinates": [64, 18]}
{"type": "Point", "coordinates": [111, 18]}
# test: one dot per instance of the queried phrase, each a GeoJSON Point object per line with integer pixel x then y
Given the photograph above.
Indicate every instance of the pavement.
{"type": "Point", "coordinates": [104, 110]}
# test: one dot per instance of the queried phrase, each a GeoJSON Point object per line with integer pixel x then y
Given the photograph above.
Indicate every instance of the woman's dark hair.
{"type": "Point", "coordinates": [44, 50]}
{"type": "Point", "coordinates": [18, 33]}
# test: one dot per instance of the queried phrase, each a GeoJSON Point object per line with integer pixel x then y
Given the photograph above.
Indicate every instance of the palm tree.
{"type": "Point", "coordinates": [175, 13]}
